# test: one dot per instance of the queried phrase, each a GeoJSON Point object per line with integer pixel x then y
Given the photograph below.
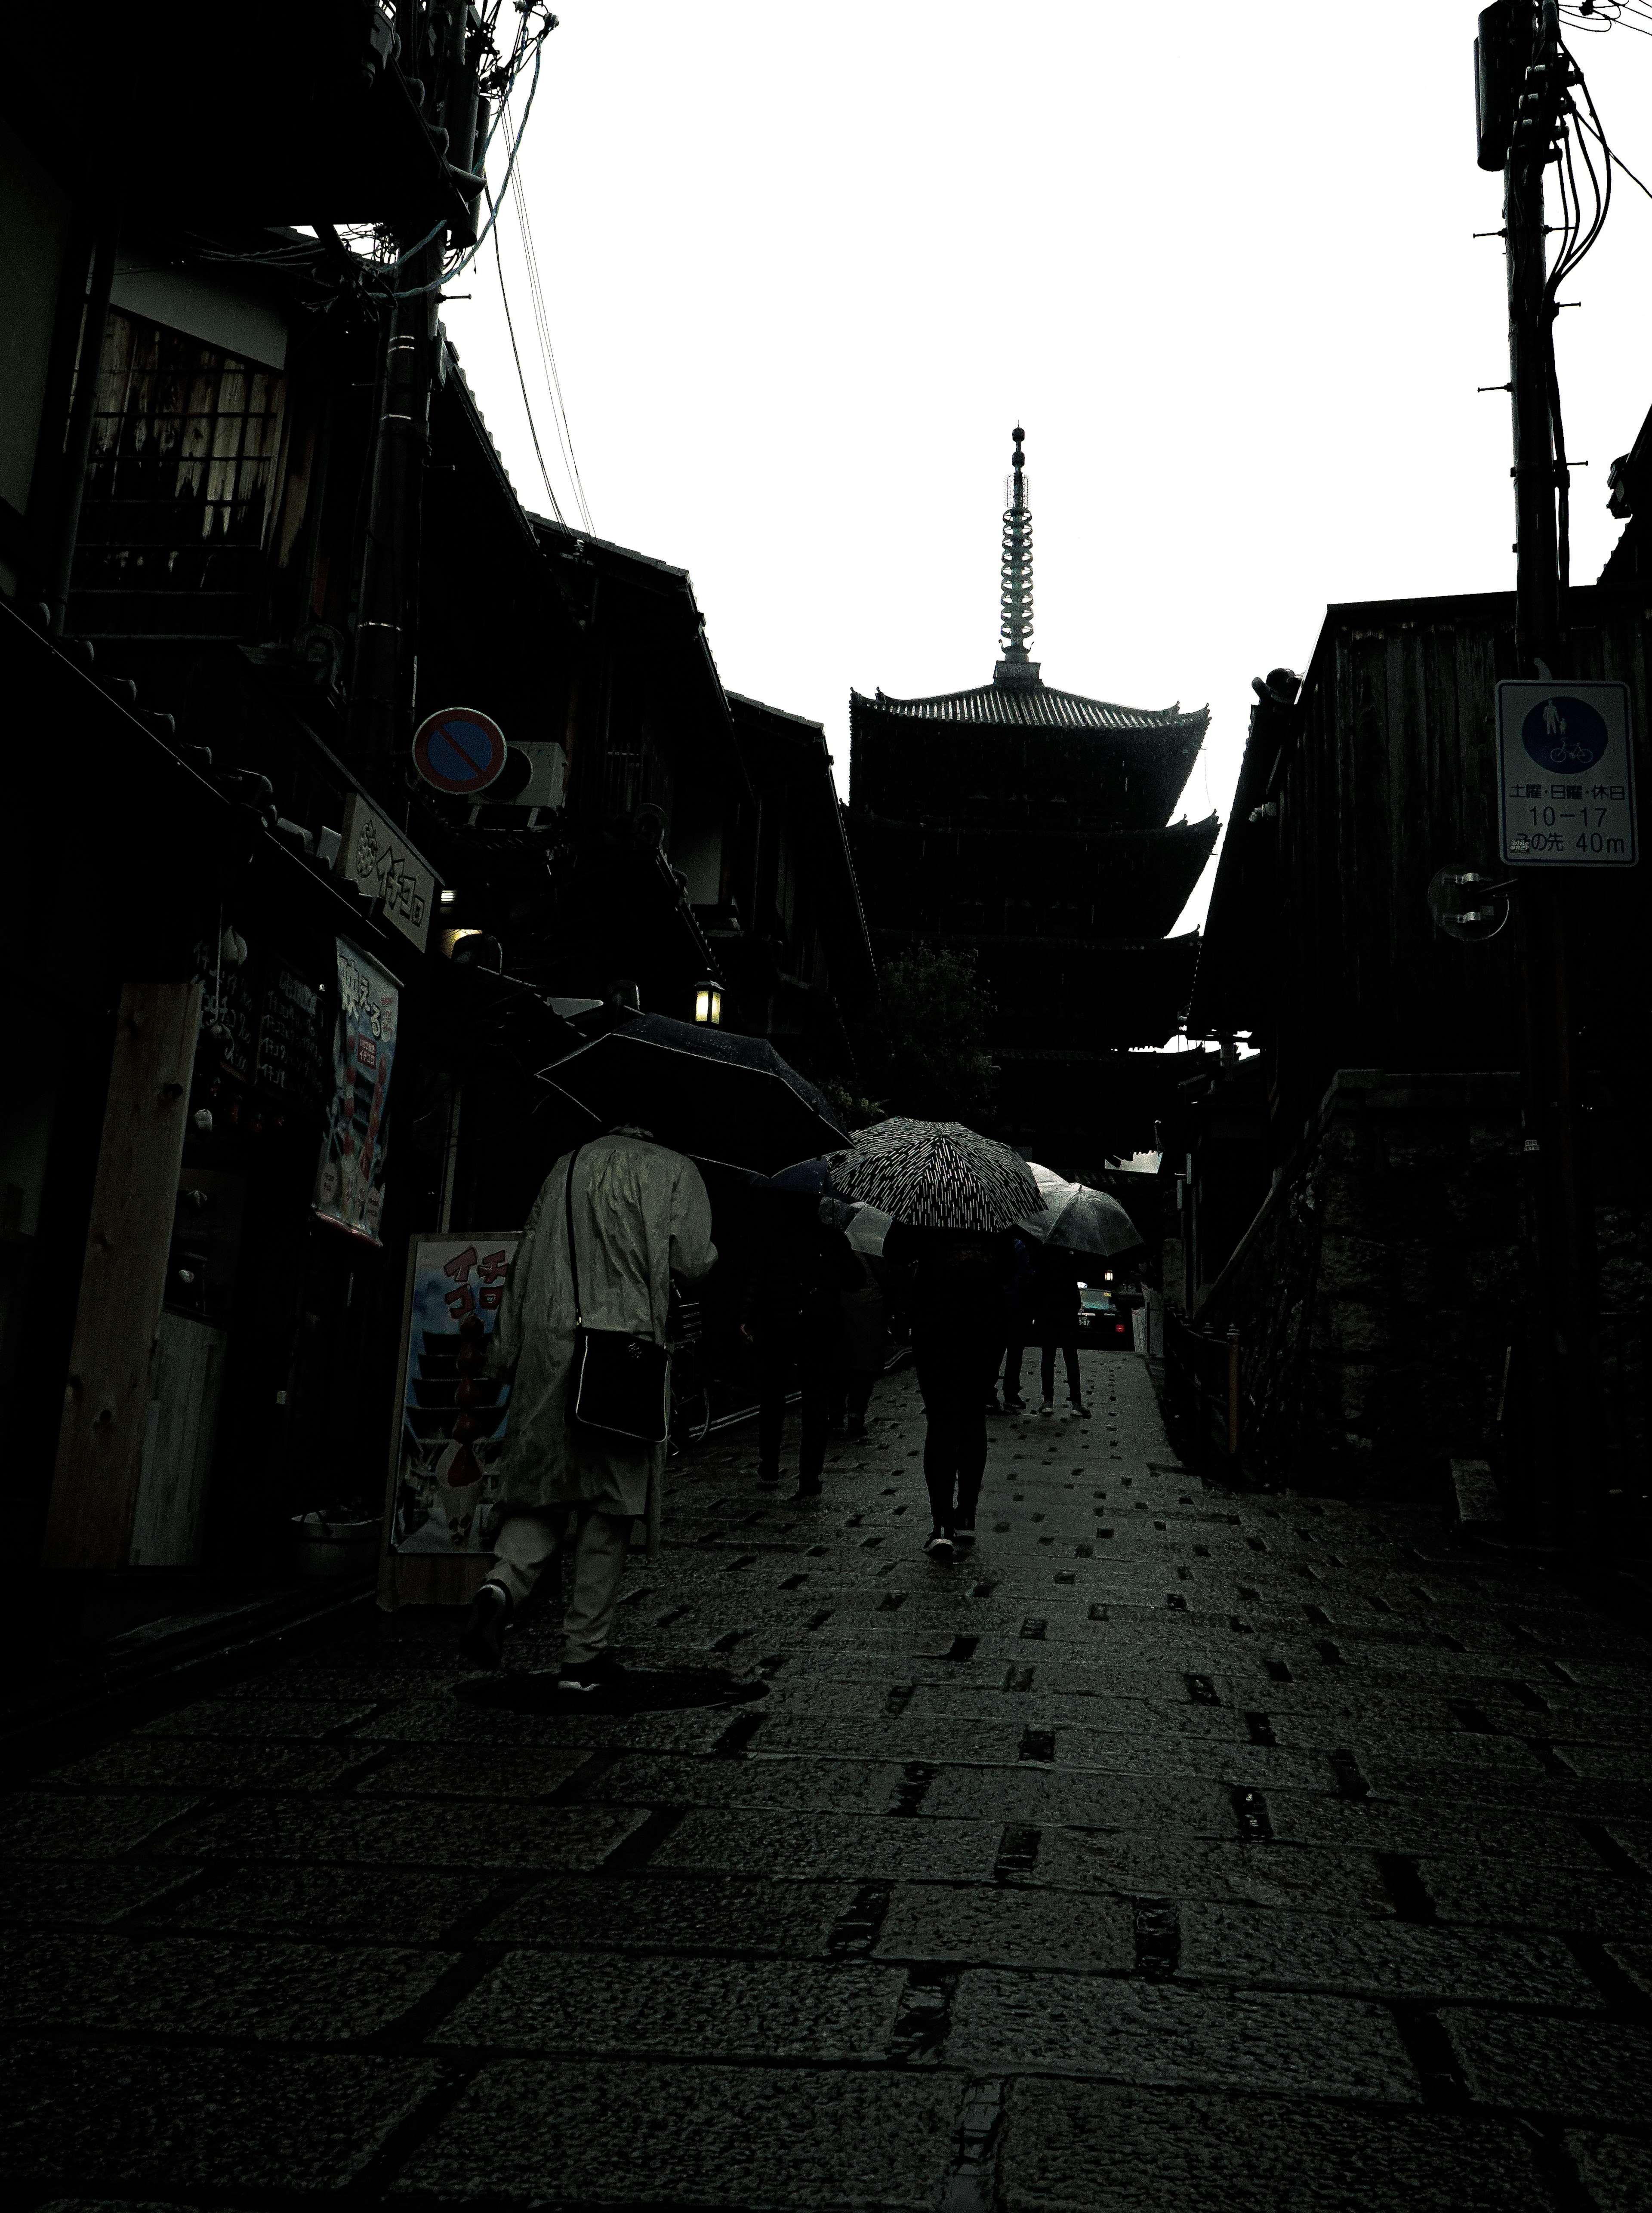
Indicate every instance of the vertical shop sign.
{"type": "Point", "coordinates": [350, 1180]}
{"type": "Point", "coordinates": [453, 1412]}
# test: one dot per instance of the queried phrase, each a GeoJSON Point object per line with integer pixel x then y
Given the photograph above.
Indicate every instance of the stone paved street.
{"type": "Point", "coordinates": [1174, 1848]}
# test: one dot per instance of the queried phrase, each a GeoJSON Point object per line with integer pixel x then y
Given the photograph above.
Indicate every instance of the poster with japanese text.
{"type": "Point", "coordinates": [453, 1413]}
{"type": "Point", "coordinates": [350, 1180]}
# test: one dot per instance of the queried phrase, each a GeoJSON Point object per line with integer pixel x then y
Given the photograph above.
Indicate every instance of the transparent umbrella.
{"type": "Point", "coordinates": [1077, 1217]}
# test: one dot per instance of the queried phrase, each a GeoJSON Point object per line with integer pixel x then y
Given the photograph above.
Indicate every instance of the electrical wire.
{"type": "Point", "coordinates": [1578, 234]}
{"type": "Point", "coordinates": [1604, 15]}
{"type": "Point", "coordinates": [1595, 23]}
{"type": "Point", "coordinates": [1618, 161]}
{"type": "Point", "coordinates": [548, 357]}
{"type": "Point", "coordinates": [498, 85]}
{"type": "Point", "coordinates": [527, 405]}
{"type": "Point", "coordinates": [459, 268]}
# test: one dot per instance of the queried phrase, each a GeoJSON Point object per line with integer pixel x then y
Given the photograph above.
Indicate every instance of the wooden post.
{"type": "Point", "coordinates": [134, 1203]}
{"type": "Point", "coordinates": [1233, 1390]}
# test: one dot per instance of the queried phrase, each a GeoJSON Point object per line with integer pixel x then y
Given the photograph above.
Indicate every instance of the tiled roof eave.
{"type": "Point", "coordinates": [1037, 707]}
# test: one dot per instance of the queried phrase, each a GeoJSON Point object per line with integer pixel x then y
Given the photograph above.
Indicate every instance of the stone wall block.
{"type": "Point", "coordinates": [1625, 1284]}
{"type": "Point", "coordinates": [1493, 1277]}
{"type": "Point", "coordinates": [1494, 1142]}
{"type": "Point", "coordinates": [1427, 1277]}
{"type": "Point", "coordinates": [1412, 1210]}
{"type": "Point", "coordinates": [1357, 1266]}
{"type": "Point", "coordinates": [1412, 1152]}
{"type": "Point", "coordinates": [1357, 1329]}
{"type": "Point", "coordinates": [1342, 1204]}
{"type": "Point", "coordinates": [1488, 1213]}
{"type": "Point", "coordinates": [1358, 1385]}
{"type": "Point", "coordinates": [1344, 1144]}
{"type": "Point", "coordinates": [1436, 1404]}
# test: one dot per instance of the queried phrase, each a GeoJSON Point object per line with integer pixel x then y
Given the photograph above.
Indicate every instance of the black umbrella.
{"type": "Point", "coordinates": [937, 1175]}
{"type": "Point", "coordinates": [705, 1091]}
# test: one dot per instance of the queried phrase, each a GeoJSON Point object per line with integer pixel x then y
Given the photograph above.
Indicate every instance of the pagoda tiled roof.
{"type": "Point", "coordinates": [1037, 706]}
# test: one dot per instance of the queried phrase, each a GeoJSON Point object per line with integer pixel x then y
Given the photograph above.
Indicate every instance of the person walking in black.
{"type": "Point", "coordinates": [957, 1331]}
{"type": "Point", "coordinates": [794, 1319]}
{"type": "Point", "coordinates": [863, 1348]}
{"type": "Point", "coordinates": [1017, 1309]}
{"type": "Point", "coordinates": [1056, 1309]}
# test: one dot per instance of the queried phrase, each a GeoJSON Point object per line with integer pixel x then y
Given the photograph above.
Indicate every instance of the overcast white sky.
{"type": "Point", "coordinates": [805, 266]}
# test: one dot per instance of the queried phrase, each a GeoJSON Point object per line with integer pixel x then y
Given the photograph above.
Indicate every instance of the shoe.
{"type": "Point", "coordinates": [482, 1641]}
{"type": "Point", "coordinates": [805, 1494]}
{"type": "Point", "coordinates": [963, 1533]}
{"type": "Point", "coordinates": [1081, 1411]}
{"type": "Point", "coordinates": [938, 1545]}
{"type": "Point", "coordinates": [855, 1432]}
{"type": "Point", "coordinates": [598, 1673]}
{"type": "Point", "coordinates": [1048, 1407]}
{"type": "Point", "coordinates": [1014, 1405]}
{"type": "Point", "coordinates": [769, 1482]}
{"type": "Point", "coordinates": [993, 1407]}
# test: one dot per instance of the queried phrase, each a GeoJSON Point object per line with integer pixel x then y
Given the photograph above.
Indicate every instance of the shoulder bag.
{"type": "Point", "coordinates": [621, 1385]}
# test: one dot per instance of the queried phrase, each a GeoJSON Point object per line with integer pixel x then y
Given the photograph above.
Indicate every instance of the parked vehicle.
{"type": "Point", "coordinates": [1102, 1324]}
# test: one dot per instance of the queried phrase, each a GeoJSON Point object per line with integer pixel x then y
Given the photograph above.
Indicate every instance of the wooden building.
{"type": "Point", "coordinates": [1355, 1194]}
{"type": "Point", "coordinates": [218, 835]}
{"type": "Point", "coordinates": [1031, 827]}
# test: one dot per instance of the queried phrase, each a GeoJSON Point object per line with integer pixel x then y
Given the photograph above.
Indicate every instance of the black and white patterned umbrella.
{"type": "Point", "coordinates": [935, 1175]}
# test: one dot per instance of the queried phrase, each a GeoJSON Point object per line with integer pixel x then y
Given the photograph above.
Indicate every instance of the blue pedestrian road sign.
{"type": "Point", "coordinates": [1565, 776]}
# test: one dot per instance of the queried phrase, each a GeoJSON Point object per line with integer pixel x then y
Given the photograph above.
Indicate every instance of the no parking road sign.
{"type": "Point", "coordinates": [1565, 776]}
{"type": "Point", "coordinates": [458, 750]}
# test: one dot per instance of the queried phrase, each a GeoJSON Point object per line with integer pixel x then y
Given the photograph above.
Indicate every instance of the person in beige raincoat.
{"type": "Point", "coordinates": [641, 1213]}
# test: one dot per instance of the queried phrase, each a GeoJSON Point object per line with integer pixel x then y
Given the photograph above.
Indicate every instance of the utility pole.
{"type": "Point", "coordinates": [384, 607]}
{"type": "Point", "coordinates": [443, 35]}
{"type": "Point", "coordinates": [1522, 78]}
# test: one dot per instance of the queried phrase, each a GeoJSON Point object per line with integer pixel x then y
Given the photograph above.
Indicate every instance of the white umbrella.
{"type": "Point", "coordinates": [1078, 1218]}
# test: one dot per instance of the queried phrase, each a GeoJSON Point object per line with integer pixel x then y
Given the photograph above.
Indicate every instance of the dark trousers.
{"type": "Point", "coordinates": [1014, 1353]}
{"type": "Point", "coordinates": [1065, 1342]}
{"type": "Point", "coordinates": [852, 1393]}
{"type": "Point", "coordinates": [953, 1379]}
{"type": "Point", "coordinates": [782, 1366]}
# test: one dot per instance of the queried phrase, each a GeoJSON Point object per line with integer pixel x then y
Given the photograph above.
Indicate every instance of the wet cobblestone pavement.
{"type": "Point", "coordinates": [1173, 1849]}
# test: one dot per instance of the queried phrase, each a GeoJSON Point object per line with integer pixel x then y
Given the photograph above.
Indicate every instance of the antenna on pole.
{"type": "Point", "coordinates": [1016, 576]}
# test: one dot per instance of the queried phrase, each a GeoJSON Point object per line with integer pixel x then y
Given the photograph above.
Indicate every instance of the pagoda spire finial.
{"type": "Point", "coordinates": [1016, 576]}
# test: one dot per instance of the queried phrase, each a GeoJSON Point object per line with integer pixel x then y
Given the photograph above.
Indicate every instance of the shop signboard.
{"type": "Point", "coordinates": [350, 1178]}
{"type": "Point", "coordinates": [1175, 1274]}
{"type": "Point", "coordinates": [381, 864]}
{"type": "Point", "coordinates": [452, 1414]}
{"type": "Point", "coordinates": [294, 1056]}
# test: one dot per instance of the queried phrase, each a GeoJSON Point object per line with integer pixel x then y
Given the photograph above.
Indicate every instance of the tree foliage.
{"type": "Point", "coordinates": [926, 1053]}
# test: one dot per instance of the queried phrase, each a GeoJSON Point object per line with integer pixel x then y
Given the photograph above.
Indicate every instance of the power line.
{"type": "Point", "coordinates": [527, 405]}
{"type": "Point", "coordinates": [564, 431]}
{"type": "Point", "coordinates": [1618, 161]}
{"type": "Point", "coordinates": [464, 260]}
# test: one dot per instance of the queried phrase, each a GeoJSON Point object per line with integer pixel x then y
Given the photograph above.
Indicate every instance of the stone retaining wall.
{"type": "Point", "coordinates": [1378, 1297]}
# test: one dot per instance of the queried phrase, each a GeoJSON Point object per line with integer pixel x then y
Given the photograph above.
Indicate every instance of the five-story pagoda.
{"type": "Point", "coordinates": [1031, 827]}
